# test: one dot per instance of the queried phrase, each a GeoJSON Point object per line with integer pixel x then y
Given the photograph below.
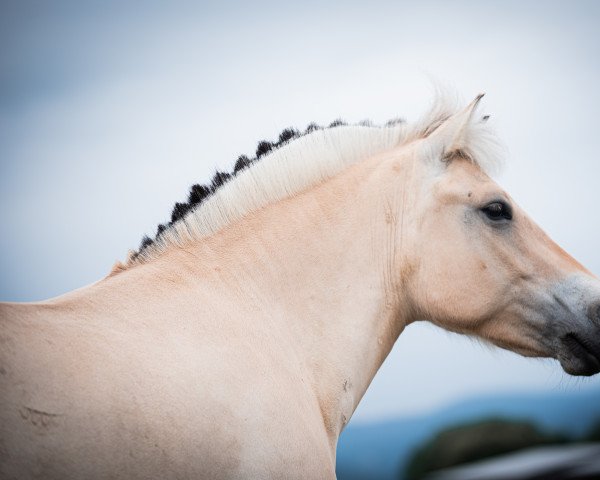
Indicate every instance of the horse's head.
{"type": "Point", "coordinates": [485, 268]}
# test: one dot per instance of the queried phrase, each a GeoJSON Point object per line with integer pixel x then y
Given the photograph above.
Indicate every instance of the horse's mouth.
{"type": "Point", "coordinates": [578, 356]}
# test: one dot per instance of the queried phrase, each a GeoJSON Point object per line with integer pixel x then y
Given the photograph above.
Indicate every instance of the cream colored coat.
{"type": "Point", "coordinates": [245, 353]}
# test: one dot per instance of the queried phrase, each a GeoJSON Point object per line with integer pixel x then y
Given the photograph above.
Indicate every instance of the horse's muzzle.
{"type": "Point", "coordinates": [579, 355]}
{"type": "Point", "coordinates": [574, 325]}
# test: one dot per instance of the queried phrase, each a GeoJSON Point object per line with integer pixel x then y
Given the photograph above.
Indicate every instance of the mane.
{"type": "Point", "coordinates": [294, 162]}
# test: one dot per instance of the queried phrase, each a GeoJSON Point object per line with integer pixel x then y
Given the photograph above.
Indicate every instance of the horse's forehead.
{"type": "Point", "coordinates": [462, 175]}
{"type": "Point", "coordinates": [466, 168]}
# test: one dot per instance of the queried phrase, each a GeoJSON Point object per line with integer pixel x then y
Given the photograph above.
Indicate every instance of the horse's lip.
{"type": "Point", "coordinates": [581, 359]}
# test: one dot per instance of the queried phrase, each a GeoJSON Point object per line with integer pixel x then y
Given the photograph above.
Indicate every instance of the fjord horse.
{"type": "Point", "coordinates": [238, 342]}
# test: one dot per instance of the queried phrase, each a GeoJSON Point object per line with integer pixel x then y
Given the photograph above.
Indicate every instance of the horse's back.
{"type": "Point", "coordinates": [62, 408]}
{"type": "Point", "coordinates": [79, 400]}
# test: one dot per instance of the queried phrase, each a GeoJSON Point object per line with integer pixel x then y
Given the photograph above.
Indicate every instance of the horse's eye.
{"type": "Point", "coordinates": [497, 211]}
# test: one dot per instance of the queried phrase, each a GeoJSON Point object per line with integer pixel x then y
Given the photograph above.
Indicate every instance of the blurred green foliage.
{"type": "Point", "coordinates": [594, 433]}
{"type": "Point", "coordinates": [476, 441]}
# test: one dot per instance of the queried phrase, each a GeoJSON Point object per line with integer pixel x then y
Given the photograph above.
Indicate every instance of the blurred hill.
{"type": "Point", "coordinates": [381, 450]}
{"type": "Point", "coordinates": [577, 461]}
{"type": "Point", "coordinates": [474, 441]}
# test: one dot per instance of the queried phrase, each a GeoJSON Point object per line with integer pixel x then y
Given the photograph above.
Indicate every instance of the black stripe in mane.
{"type": "Point", "coordinates": [199, 193]}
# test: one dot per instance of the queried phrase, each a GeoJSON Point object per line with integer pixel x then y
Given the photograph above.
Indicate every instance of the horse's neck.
{"type": "Point", "coordinates": [318, 266]}
{"type": "Point", "coordinates": [324, 259]}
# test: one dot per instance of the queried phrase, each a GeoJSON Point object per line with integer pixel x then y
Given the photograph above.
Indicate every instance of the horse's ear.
{"type": "Point", "coordinates": [450, 138]}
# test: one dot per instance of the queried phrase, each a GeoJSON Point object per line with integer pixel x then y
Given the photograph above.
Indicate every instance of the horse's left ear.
{"type": "Point", "coordinates": [450, 138]}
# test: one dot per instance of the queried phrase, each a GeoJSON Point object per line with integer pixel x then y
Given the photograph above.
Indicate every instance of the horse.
{"type": "Point", "coordinates": [239, 340]}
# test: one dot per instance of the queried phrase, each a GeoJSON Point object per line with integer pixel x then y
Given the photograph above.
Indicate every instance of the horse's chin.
{"type": "Point", "coordinates": [578, 357]}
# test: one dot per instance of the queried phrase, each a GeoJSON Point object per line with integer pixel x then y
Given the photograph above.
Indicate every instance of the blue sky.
{"type": "Point", "coordinates": [110, 110]}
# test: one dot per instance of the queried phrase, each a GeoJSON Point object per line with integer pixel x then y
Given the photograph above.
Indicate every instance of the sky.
{"type": "Point", "coordinates": [109, 111]}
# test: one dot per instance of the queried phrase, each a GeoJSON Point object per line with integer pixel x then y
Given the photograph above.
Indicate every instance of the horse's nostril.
{"type": "Point", "coordinates": [595, 313]}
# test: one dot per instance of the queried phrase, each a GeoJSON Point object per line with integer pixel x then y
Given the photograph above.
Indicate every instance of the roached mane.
{"type": "Point", "coordinates": [294, 162]}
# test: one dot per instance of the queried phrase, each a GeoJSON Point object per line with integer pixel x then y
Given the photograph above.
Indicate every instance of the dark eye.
{"type": "Point", "coordinates": [497, 211]}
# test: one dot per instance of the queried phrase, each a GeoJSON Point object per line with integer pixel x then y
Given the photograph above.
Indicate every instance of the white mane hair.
{"type": "Point", "coordinates": [307, 160]}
